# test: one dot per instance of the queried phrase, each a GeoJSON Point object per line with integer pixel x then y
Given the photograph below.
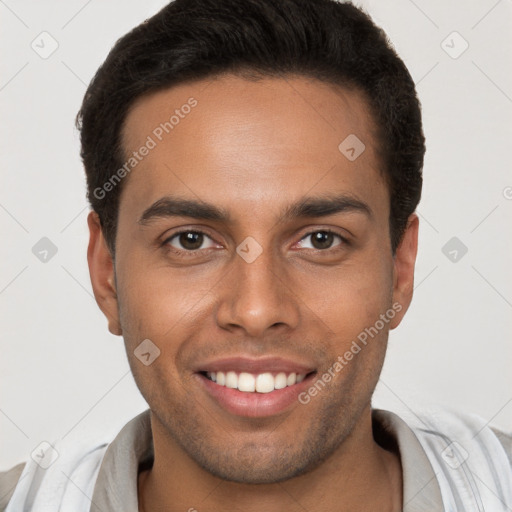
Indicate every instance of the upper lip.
{"type": "Point", "coordinates": [251, 365]}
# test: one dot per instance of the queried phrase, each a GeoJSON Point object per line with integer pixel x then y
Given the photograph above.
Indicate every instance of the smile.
{"type": "Point", "coordinates": [254, 395]}
{"type": "Point", "coordinates": [255, 383]}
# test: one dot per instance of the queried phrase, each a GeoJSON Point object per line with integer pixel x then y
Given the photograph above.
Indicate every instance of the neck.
{"type": "Point", "coordinates": [360, 475]}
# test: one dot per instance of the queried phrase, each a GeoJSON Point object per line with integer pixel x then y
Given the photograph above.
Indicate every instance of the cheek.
{"type": "Point", "coordinates": [353, 300]}
{"type": "Point", "coordinates": [152, 308]}
{"type": "Point", "coordinates": [159, 303]}
{"type": "Point", "coordinates": [351, 297]}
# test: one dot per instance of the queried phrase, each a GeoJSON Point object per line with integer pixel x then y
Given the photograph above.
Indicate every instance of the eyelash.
{"type": "Point", "coordinates": [183, 252]}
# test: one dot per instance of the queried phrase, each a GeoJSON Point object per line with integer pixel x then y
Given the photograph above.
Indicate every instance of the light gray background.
{"type": "Point", "coordinates": [62, 372]}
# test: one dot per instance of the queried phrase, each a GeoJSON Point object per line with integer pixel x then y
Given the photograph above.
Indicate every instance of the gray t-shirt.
{"type": "Point", "coordinates": [132, 451]}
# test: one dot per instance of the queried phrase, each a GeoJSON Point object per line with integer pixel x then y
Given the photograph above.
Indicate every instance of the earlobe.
{"type": "Point", "coordinates": [101, 270]}
{"type": "Point", "coordinates": [403, 272]}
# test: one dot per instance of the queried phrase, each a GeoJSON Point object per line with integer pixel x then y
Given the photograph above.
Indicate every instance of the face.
{"type": "Point", "coordinates": [248, 242]}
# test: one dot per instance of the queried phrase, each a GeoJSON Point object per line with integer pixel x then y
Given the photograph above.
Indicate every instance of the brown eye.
{"type": "Point", "coordinates": [191, 240]}
{"type": "Point", "coordinates": [322, 240]}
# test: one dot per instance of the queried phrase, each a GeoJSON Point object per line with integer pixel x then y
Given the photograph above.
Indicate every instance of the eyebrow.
{"type": "Point", "coordinates": [306, 208]}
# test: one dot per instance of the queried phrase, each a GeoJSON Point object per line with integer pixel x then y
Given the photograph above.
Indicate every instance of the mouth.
{"type": "Point", "coordinates": [254, 395]}
{"type": "Point", "coordinates": [246, 382]}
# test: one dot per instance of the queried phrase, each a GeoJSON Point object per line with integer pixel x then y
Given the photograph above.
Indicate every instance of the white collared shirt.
{"type": "Point", "coordinates": [448, 461]}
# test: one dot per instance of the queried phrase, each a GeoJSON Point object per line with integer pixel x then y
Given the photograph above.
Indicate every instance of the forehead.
{"type": "Point", "coordinates": [251, 144]}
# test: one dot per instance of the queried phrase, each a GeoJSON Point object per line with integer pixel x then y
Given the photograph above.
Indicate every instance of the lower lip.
{"type": "Point", "coordinates": [254, 405]}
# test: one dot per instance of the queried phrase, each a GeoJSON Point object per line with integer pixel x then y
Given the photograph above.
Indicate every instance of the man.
{"type": "Point", "coordinates": [253, 169]}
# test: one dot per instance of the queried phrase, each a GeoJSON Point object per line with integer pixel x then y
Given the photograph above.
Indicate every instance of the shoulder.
{"type": "Point", "coordinates": [465, 447]}
{"type": "Point", "coordinates": [42, 483]}
{"type": "Point", "coordinates": [8, 481]}
{"type": "Point", "coordinates": [453, 438]}
{"type": "Point", "coordinates": [505, 438]}
{"type": "Point", "coordinates": [461, 432]}
{"type": "Point", "coordinates": [469, 457]}
{"type": "Point", "coordinates": [451, 424]}
{"type": "Point", "coordinates": [39, 483]}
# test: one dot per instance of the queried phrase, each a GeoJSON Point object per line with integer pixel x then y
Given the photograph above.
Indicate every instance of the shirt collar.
{"type": "Point", "coordinates": [116, 485]}
{"type": "Point", "coordinates": [421, 491]}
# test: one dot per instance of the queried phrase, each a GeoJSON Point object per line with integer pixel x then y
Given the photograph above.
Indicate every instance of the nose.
{"type": "Point", "coordinates": [257, 296]}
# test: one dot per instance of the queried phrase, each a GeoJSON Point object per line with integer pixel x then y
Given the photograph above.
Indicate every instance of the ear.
{"type": "Point", "coordinates": [101, 270]}
{"type": "Point", "coordinates": [403, 270]}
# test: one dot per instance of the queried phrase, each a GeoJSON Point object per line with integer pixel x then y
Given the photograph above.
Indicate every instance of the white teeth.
{"type": "Point", "coordinates": [220, 378]}
{"type": "Point", "coordinates": [246, 382]}
{"type": "Point", "coordinates": [265, 383]}
{"type": "Point", "coordinates": [261, 383]}
{"type": "Point", "coordinates": [280, 381]}
{"type": "Point", "coordinates": [231, 380]}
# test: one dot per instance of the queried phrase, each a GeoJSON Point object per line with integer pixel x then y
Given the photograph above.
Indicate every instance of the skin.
{"type": "Point", "coordinates": [253, 148]}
